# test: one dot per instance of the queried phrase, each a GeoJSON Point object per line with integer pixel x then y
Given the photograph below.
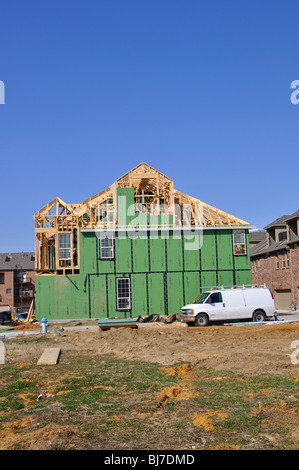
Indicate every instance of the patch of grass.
{"type": "Point", "coordinates": [119, 404]}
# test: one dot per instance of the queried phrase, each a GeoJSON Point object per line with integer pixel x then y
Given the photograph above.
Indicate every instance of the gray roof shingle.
{"type": "Point", "coordinates": [281, 221]}
{"type": "Point", "coordinates": [26, 259]}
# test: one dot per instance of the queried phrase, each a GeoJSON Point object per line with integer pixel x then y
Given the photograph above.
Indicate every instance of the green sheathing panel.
{"type": "Point", "coordinates": [44, 296]}
{"type": "Point", "coordinates": [98, 296]}
{"type": "Point", "coordinates": [157, 254]}
{"type": "Point", "coordinates": [61, 297]}
{"type": "Point", "coordinates": [174, 252]}
{"type": "Point", "coordinates": [208, 251]}
{"type": "Point", "coordinates": [224, 249]}
{"type": "Point", "coordinates": [111, 289]}
{"type": "Point", "coordinates": [139, 295]}
{"type": "Point", "coordinates": [125, 200]}
{"type": "Point", "coordinates": [175, 292]}
{"type": "Point", "coordinates": [88, 252]}
{"type": "Point", "coordinates": [225, 278]}
{"type": "Point", "coordinates": [208, 278]}
{"type": "Point", "coordinates": [140, 253]}
{"type": "Point", "coordinates": [165, 274]}
{"type": "Point", "coordinates": [243, 277]}
{"type": "Point", "coordinates": [105, 266]}
{"type": "Point", "coordinates": [123, 258]}
{"type": "Point", "coordinates": [192, 286]}
{"type": "Point", "coordinates": [191, 253]}
{"type": "Point", "coordinates": [156, 293]}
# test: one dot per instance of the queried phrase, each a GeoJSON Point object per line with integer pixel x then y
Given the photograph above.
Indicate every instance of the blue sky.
{"type": "Point", "coordinates": [199, 89]}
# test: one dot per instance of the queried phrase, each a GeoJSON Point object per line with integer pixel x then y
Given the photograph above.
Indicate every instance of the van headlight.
{"type": "Point", "coordinates": [187, 311]}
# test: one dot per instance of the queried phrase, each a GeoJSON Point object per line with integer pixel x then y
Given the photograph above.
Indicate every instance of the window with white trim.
{"type": "Point", "coordinates": [106, 246]}
{"type": "Point", "coordinates": [105, 213]}
{"type": "Point", "coordinates": [64, 246]}
{"type": "Point", "coordinates": [239, 242]}
{"type": "Point", "coordinates": [123, 293]}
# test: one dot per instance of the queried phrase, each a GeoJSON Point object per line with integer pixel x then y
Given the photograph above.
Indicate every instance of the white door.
{"type": "Point", "coordinates": [216, 306]}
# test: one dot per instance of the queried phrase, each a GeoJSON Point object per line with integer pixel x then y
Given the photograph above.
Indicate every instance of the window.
{"type": "Point", "coordinates": [277, 262]}
{"type": "Point", "coordinates": [239, 242]}
{"type": "Point", "coordinates": [1, 278]}
{"type": "Point", "coordinates": [106, 246]}
{"type": "Point", "coordinates": [143, 202]}
{"type": "Point", "coordinates": [283, 260]}
{"type": "Point", "coordinates": [123, 297]}
{"type": "Point", "coordinates": [105, 213]}
{"type": "Point", "coordinates": [287, 260]}
{"type": "Point", "coordinates": [282, 236]}
{"type": "Point", "coordinates": [8, 291]}
{"type": "Point", "coordinates": [214, 298]}
{"type": "Point", "coordinates": [64, 246]}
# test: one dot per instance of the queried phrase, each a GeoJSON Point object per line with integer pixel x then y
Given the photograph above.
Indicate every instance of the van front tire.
{"type": "Point", "coordinates": [258, 316]}
{"type": "Point", "coordinates": [202, 320]}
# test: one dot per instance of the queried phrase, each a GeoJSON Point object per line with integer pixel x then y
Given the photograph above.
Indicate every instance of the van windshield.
{"type": "Point", "coordinates": [201, 298]}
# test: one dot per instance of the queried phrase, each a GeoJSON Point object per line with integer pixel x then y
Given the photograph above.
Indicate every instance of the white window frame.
{"type": "Point", "coordinates": [239, 248]}
{"type": "Point", "coordinates": [277, 262]}
{"type": "Point", "coordinates": [105, 214]}
{"type": "Point", "coordinates": [63, 249]}
{"type": "Point", "coordinates": [103, 247]}
{"type": "Point", "coordinates": [120, 293]}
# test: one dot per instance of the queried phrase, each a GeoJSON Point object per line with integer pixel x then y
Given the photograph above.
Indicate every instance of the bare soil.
{"type": "Point", "coordinates": [170, 415]}
{"type": "Point", "coordinates": [249, 350]}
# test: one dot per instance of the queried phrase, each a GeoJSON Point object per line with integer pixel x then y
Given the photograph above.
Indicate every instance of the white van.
{"type": "Point", "coordinates": [234, 303]}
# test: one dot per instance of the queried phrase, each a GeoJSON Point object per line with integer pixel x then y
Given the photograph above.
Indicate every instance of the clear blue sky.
{"type": "Point", "coordinates": [198, 89]}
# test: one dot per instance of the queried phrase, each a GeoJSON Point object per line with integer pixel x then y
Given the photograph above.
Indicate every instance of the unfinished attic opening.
{"type": "Point", "coordinates": [105, 213]}
{"type": "Point", "coordinates": [57, 241]}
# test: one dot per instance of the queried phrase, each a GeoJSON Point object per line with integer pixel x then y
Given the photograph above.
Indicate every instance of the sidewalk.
{"type": "Point", "coordinates": [288, 315]}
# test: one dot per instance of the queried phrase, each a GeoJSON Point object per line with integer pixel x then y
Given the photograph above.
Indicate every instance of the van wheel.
{"type": "Point", "coordinates": [202, 320]}
{"type": "Point", "coordinates": [258, 316]}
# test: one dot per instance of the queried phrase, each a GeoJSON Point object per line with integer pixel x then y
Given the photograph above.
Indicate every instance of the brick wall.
{"type": "Point", "coordinates": [12, 282]}
{"type": "Point", "coordinates": [281, 277]}
{"type": "Point", "coordinates": [7, 299]}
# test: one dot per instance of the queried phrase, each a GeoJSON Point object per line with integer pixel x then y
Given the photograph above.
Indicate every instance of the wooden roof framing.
{"type": "Point", "coordinates": [145, 180]}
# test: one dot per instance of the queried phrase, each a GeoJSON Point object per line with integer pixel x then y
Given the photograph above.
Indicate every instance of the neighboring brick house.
{"type": "Point", "coordinates": [275, 261]}
{"type": "Point", "coordinates": [17, 280]}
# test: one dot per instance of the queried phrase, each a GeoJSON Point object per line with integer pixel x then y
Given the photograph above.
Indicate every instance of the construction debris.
{"type": "Point", "coordinates": [157, 318]}
{"type": "Point", "coordinates": [49, 356]}
{"type": "Point", "coordinates": [117, 323]}
{"type": "Point", "coordinates": [43, 395]}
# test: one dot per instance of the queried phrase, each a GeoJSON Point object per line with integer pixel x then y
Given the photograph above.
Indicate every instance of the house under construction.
{"type": "Point", "coordinates": [136, 248]}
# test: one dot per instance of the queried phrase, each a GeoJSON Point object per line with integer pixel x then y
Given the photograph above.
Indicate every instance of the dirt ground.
{"type": "Point", "coordinates": [248, 350]}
